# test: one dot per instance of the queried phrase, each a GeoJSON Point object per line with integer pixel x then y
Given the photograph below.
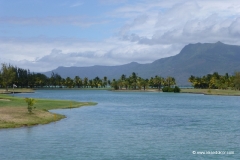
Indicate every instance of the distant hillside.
{"type": "Point", "coordinates": [194, 59]}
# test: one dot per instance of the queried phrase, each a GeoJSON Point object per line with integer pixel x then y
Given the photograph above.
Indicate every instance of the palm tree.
{"type": "Point", "coordinates": [69, 82]}
{"type": "Point", "coordinates": [236, 80]}
{"type": "Point", "coordinates": [170, 81]}
{"type": "Point", "coordinates": [216, 75]}
{"type": "Point", "coordinates": [151, 83]}
{"type": "Point", "coordinates": [133, 80]}
{"type": "Point", "coordinates": [158, 81]}
{"type": "Point", "coordinates": [85, 82]}
{"type": "Point", "coordinates": [78, 81]}
{"type": "Point", "coordinates": [120, 83]}
{"type": "Point", "coordinates": [126, 83]}
{"type": "Point", "coordinates": [53, 80]}
{"type": "Point", "coordinates": [139, 83]}
{"type": "Point", "coordinates": [97, 82]}
{"type": "Point", "coordinates": [109, 82]}
{"type": "Point", "coordinates": [90, 83]}
{"type": "Point", "coordinates": [63, 82]}
{"type": "Point", "coordinates": [100, 84]}
{"type": "Point", "coordinates": [212, 83]}
{"type": "Point", "coordinates": [191, 79]}
{"type": "Point", "coordinates": [104, 81]}
{"type": "Point", "coordinates": [58, 79]}
{"type": "Point", "coordinates": [123, 77]}
{"type": "Point", "coordinates": [145, 83]}
{"type": "Point", "coordinates": [231, 82]}
{"type": "Point", "coordinates": [114, 84]}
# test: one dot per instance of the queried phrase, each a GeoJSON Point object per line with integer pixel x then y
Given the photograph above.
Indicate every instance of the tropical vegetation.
{"type": "Point", "coordinates": [176, 89]}
{"type": "Point", "coordinates": [23, 78]}
{"type": "Point", "coordinates": [134, 82]}
{"type": "Point", "coordinates": [216, 81]}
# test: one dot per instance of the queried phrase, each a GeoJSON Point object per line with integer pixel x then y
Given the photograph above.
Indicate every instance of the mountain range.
{"type": "Point", "coordinates": [194, 59]}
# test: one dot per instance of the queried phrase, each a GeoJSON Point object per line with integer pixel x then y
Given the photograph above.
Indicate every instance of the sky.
{"type": "Point", "coordinates": [42, 35]}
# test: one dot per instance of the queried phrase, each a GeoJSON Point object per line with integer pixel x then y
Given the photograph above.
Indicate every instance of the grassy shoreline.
{"type": "Point", "coordinates": [137, 90]}
{"type": "Point", "coordinates": [13, 111]}
{"type": "Point", "coordinates": [16, 90]}
{"type": "Point", "coordinates": [32, 90]}
{"type": "Point", "coordinates": [220, 92]}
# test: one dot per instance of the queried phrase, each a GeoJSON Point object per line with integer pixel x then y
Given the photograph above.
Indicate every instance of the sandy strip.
{"type": "Point", "coordinates": [4, 99]}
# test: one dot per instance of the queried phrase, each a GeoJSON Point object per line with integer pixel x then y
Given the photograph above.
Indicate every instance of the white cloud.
{"type": "Point", "coordinates": [186, 22]}
{"type": "Point", "coordinates": [234, 28]}
{"type": "Point", "coordinates": [42, 57]}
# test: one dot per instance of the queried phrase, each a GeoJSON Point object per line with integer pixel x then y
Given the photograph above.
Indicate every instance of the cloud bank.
{"type": "Point", "coordinates": [147, 31]}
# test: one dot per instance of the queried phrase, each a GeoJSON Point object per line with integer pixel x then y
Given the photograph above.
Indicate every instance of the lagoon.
{"type": "Point", "coordinates": [131, 125]}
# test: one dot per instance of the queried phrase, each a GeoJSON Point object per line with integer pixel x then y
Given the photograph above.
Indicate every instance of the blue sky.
{"type": "Point", "coordinates": [41, 35]}
{"type": "Point", "coordinates": [57, 18]}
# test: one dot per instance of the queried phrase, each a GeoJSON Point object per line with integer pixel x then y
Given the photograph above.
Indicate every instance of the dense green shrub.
{"type": "Point", "coordinates": [176, 89]}
{"type": "Point", "coordinates": [167, 89]}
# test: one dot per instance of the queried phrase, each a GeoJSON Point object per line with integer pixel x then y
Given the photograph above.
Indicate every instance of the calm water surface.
{"type": "Point", "coordinates": [130, 126]}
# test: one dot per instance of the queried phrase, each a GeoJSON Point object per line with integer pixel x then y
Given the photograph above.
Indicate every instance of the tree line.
{"type": "Point", "coordinates": [216, 81]}
{"type": "Point", "coordinates": [134, 82]}
{"type": "Point", "coordinates": [23, 78]}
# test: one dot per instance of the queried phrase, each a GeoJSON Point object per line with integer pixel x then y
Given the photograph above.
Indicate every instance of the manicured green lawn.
{"type": "Point", "coordinates": [14, 113]}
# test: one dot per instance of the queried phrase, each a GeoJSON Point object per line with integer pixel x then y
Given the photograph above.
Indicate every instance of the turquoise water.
{"type": "Point", "coordinates": [130, 126]}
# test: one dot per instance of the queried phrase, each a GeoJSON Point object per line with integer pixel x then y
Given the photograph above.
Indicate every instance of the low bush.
{"type": "Point", "coordinates": [167, 89]}
{"type": "Point", "coordinates": [176, 89]}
